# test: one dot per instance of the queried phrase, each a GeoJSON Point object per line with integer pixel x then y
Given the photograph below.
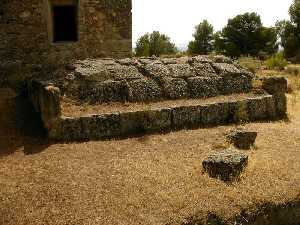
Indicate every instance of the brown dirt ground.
{"type": "Point", "coordinates": [148, 180]}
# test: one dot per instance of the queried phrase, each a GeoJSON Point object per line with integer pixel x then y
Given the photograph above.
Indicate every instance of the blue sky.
{"type": "Point", "coordinates": [177, 18]}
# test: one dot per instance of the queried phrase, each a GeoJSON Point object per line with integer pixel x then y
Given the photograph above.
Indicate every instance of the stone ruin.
{"type": "Point", "coordinates": [80, 95]}
{"type": "Point", "coordinates": [53, 30]}
{"type": "Point", "coordinates": [53, 48]}
{"type": "Point", "coordinates": [153, 79]}
{"type": "Point", "coordinates": [228, 164]}
{"type": "Point", "coordinates": [121, 97]}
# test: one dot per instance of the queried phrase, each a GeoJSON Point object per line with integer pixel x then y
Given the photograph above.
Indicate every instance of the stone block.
{"type": "Point", "coordinates": [70, 129]}
{"type": "Point", "coordinates": [226, 165]}
{"type": "Point", "coordinates": [225, 68]}
{"type": "Point", "coordinates": [235, 83]}
{"type": "Point", "coordinates": [143, 90]}
{"type": "Point", "coordinates": [45, 98]}
{"type": "Point", "coordinates": [215, 114]}
{"type": "Point", "coordinates": [107, 91]}
{"type": "Point", "coordinates": [181, 71]}
{"type": "Point", "coordinates": [280, 104]}
{"type": "Point", "coordinates": [241, 138]}
{"type": "Point", "coordinates": [175, 88]}
{"type": "Point", "coordinates": [204, 69]}
{"type": "Point", "coordinates": [186, 116]}
{"type": "Point", "coordinates": [145, 121]}
{"type": "Point", "coordinates": [100, 126]}
{"type": "Point", "coordinates": [99, 70]}
{"type": "Point", "coordinates": [203, 87]}
{"type": "Point", "coordinates": [222, 59]}
{"type": "Point", "coordinates": [200, 59]}
{"type": "Point", "coordinates": [157, 71]}
{"type": "Point", "coordinates": [275, 85]}
{"type": "Point", "coordinates": [258, 108]}
{"type": "Point", "coordinates": [238, 111]}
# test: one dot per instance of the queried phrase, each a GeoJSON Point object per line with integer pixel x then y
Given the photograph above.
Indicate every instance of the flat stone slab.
{"type": "Point", "coordinates": [226, 165]}
{"type": "Point", "coordinates": [241, 138]}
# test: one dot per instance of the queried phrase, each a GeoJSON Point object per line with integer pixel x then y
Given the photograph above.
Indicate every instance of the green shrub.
{"type": "Point", "coordinates": [251, 63]}
{"type": "Point", "coordinates": [277, 62]}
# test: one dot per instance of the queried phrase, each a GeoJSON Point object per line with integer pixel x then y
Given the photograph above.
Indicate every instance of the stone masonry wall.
{"type": "Point", "coordinates": [153, 79]}
{"type": "Point", "coordinates": [104, 27]}
{"type": "Point", "coordinates": [265, 106]}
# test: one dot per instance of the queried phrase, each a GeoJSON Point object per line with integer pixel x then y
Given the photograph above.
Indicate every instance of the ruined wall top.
{"type": "Point", "coordinates": [153, 79]}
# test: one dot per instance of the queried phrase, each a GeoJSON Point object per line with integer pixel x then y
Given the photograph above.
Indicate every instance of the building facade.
{"type": "Point", "coordinates": [53, 30]}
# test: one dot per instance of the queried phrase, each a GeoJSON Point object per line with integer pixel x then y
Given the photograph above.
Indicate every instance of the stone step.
{"type": "Point", "coordinates": [136, 122]}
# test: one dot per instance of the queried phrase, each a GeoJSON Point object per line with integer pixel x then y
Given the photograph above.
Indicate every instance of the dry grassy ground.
{"type": "Point", "coordinates": [148, 180]}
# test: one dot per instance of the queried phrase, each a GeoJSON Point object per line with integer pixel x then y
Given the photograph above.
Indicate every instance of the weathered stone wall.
{"type": "Point", "coordinates": [265, 106]}
{"type": "Point", "coordinates": [104, 28]}
{"type": "Point", "coordinates": [154, 79]}
{"type": "Point", "coordinates": [166, 119]}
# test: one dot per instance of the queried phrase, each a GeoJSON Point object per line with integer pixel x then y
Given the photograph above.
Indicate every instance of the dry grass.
{"type": "Point", "coordinates": [150, 180]}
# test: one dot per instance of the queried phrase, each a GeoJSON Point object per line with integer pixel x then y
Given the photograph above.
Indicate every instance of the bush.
{"type": "Point", "coordinates": [251, 63]}
{"type": "Point", "coordinates": [277, 62]}
{"type": "Point", "coordinates": [154, 44]}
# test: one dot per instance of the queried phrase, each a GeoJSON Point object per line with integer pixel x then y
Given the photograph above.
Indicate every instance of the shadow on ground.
{"type": "Point", "coordinates": [21, 127]}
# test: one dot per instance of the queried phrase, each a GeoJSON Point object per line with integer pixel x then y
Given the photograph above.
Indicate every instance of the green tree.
{"type": "Point", "coordinates": [245, 35]}
{"type": "Point", "coordinates": [203, 39]}
{"type": "Point", "coordinates": [154, 44]}
{"type": "Point", "coordinates": [294, 12]}
{"type": "Point", "coordinates": [143, 45]}
{"type": "Point", "coordinates": [289, 32]}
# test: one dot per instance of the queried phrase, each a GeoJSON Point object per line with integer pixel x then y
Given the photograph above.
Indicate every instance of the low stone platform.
{"type": "Point", "coordinates": [165, 118]}
{"type": "Point", "coordinates": [66, 117]}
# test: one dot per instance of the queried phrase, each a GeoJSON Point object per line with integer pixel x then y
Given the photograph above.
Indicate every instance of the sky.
{"type": "Point", "coordinates": [178, 18]}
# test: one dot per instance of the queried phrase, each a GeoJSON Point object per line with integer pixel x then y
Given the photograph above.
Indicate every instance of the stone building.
{"type": "Point", "coordinates": [53, 30]}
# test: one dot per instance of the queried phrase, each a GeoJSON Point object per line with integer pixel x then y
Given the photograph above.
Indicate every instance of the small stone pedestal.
{"type": "Point", "coordinates": [241, 138]}
{"type": "Point", "coordinates": [226, 165]}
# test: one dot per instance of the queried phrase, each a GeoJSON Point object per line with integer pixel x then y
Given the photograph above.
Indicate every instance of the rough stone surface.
{"type": "Point", "coordinates": [226, 165]}
{"type": "Point", "coordinates": [241, 138]}
{"type": "Point", "coordinates": [204, 86]}
{"type": "Point", "coordinates": [186, 116]}
{"type": "Point", "coordinates": [175, 88]}
{"type": "Point", "coordinates": [45, 99]}
{"type": "Point", "coordinates": [262, 108]}
{"type": "Point", "coordinates": [146, 121]}
{"type": "Point", "coordinates": [154, 79]}
{"type": "Point", "coordinates": [143, 90]}
{"type": "Point", "coordinates": [104, 29]}
{"type": "Point", "coordinates": [275, 85]}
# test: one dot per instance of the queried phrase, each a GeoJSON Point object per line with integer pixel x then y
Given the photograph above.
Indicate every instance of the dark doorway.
{"type": "Point", "coordinates": [65, 23]}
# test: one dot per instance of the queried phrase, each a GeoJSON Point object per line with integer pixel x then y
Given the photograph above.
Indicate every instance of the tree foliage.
{"type": "Point", "coordinates": [203, 39]}
{"type": "Point", "coordinates": [154, 44]}
{"type": "Point", "coordinates": [289, 31]}
{"type": "Point", "coordinates": [245, 35]}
